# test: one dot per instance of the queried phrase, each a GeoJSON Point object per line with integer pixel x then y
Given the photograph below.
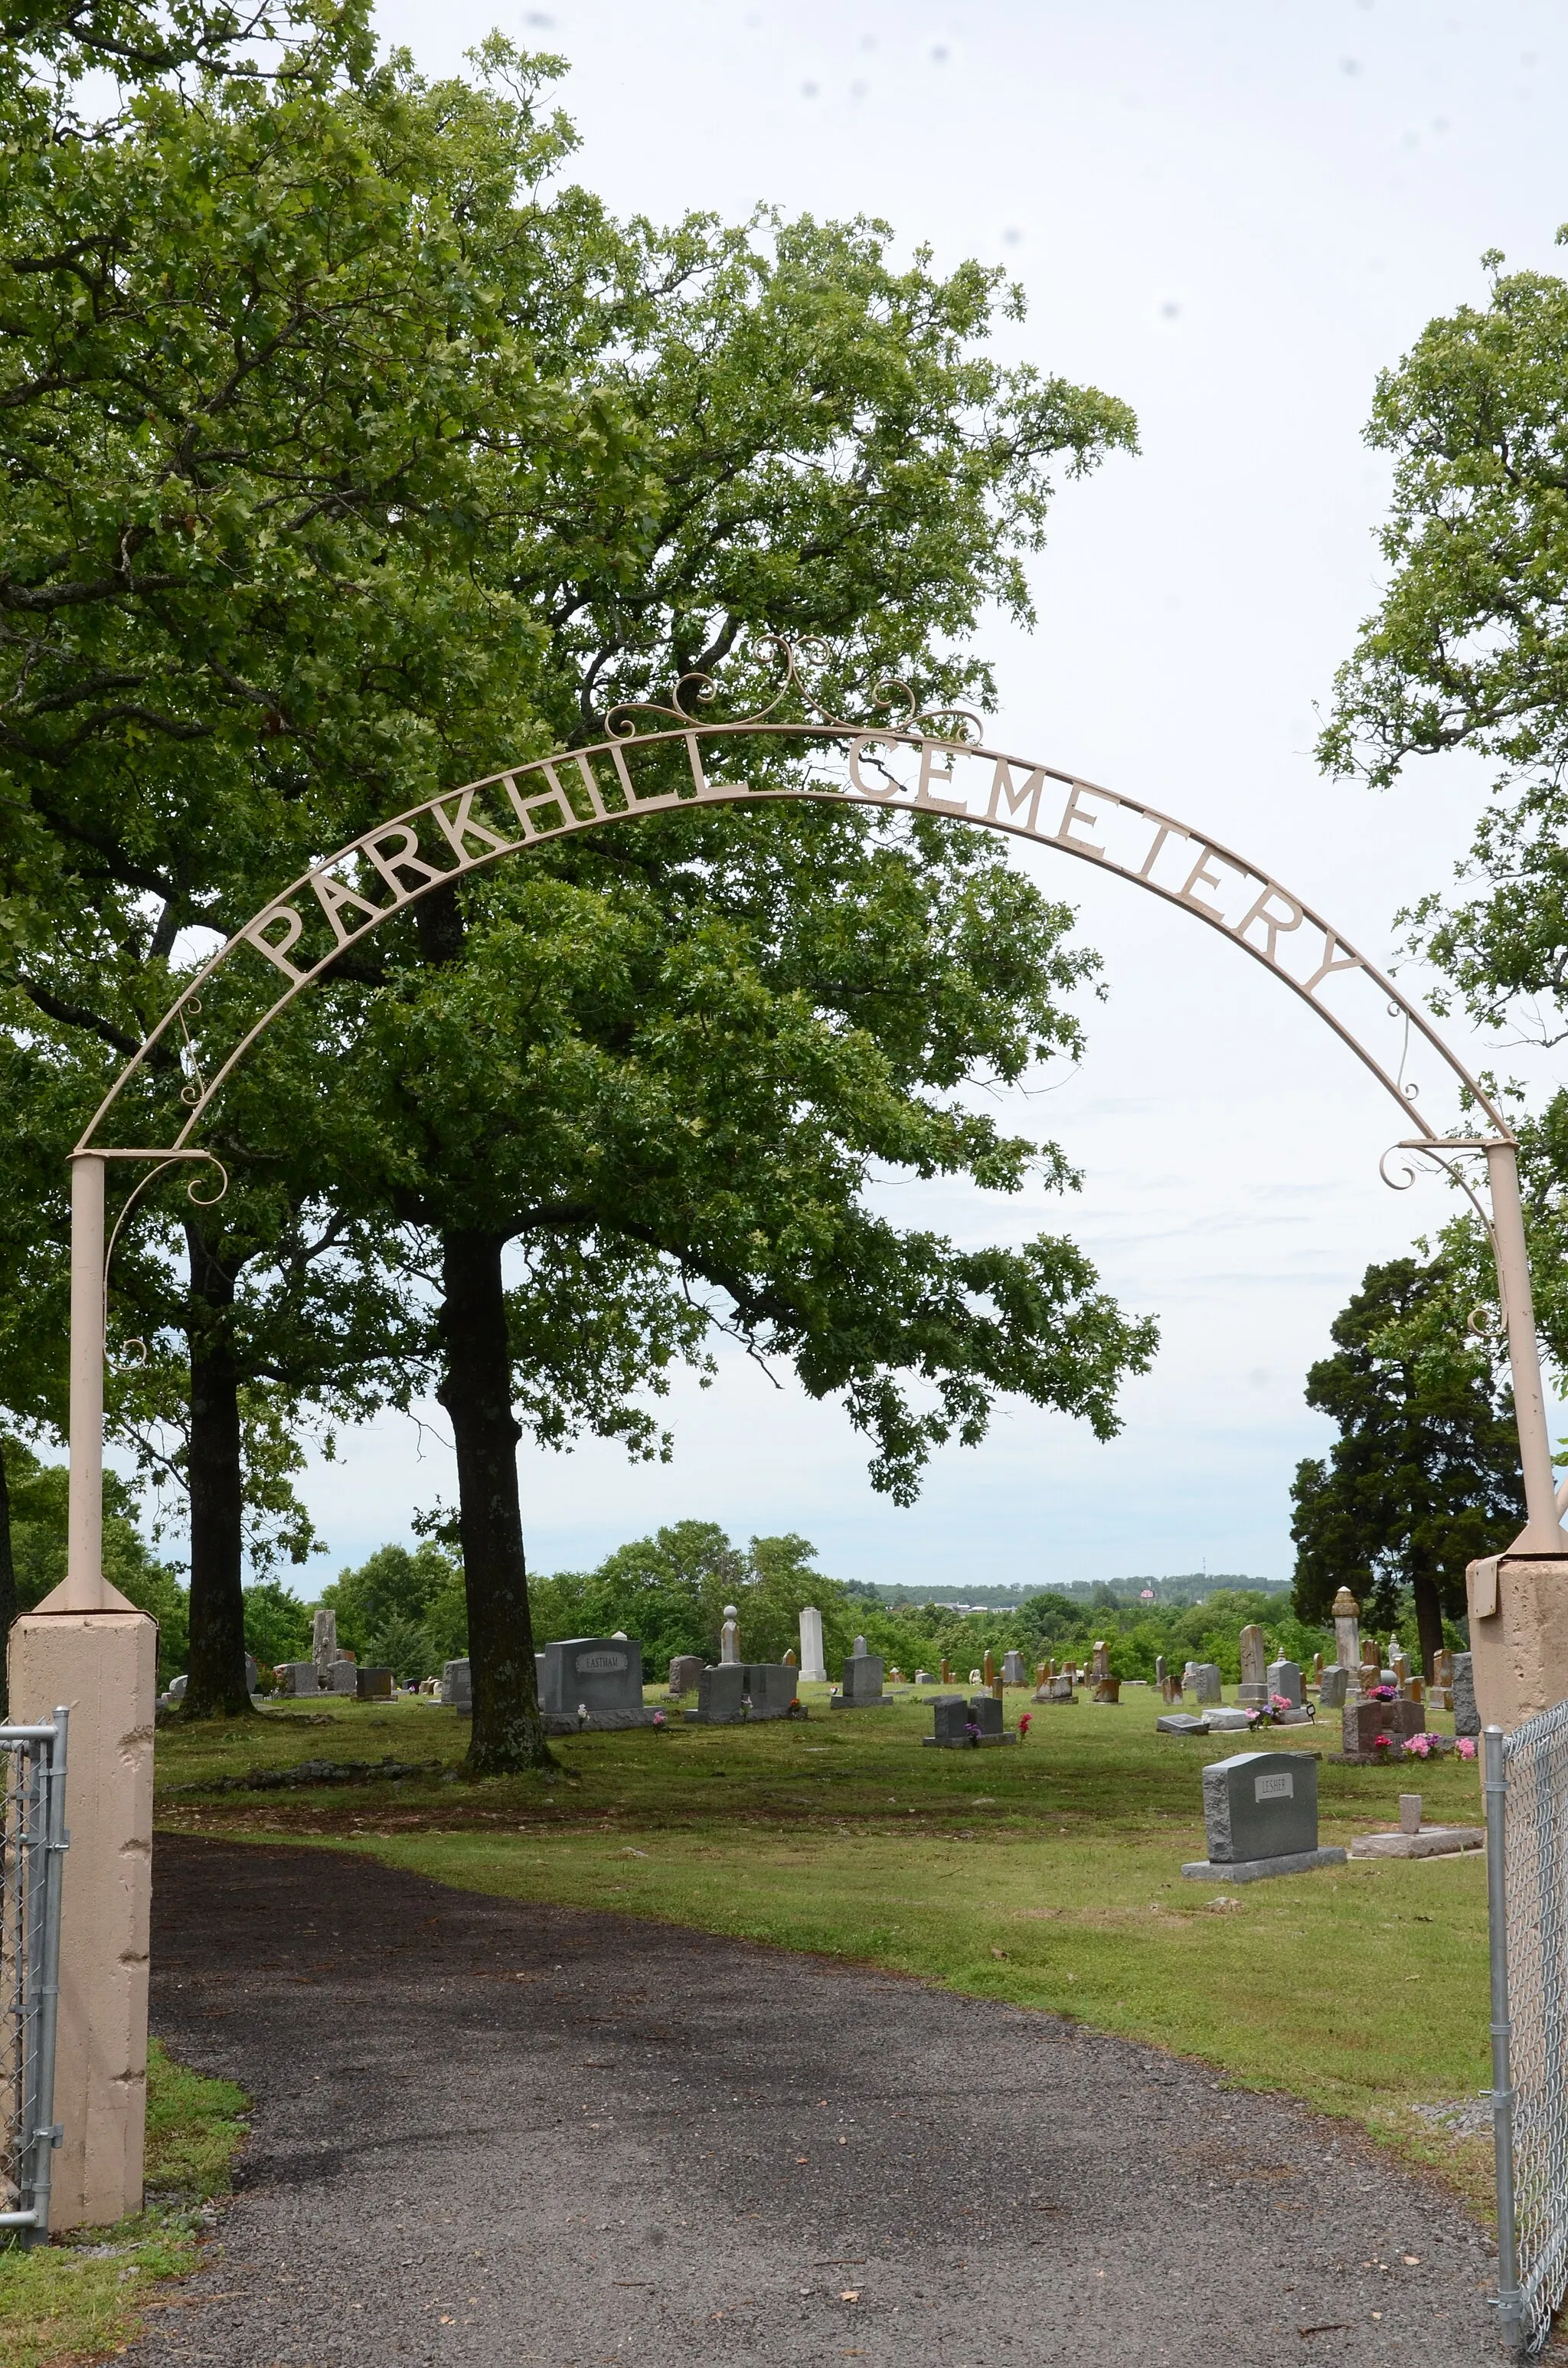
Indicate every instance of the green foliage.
{"type": "Point", "coordinates": [670, 1592]}
{"type": "Point", "coordinates": [1424, 1474]}
{"type": "Point", "coordinates": [401, 1610]}
{"type": "Point", "coordinates": [278, 1625]}
{"type": "Point", "coordinates": [39, 1495]}
{"type": "Point", "coordinates": [1468, 646]}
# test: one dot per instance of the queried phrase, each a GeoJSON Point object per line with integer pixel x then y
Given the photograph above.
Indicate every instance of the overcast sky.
{"type": "Point", "coordinates": [1233, 215]}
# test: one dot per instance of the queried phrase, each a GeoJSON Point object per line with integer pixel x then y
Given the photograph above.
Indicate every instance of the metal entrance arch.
{"type": "Point", "coordinates": [682, 760]}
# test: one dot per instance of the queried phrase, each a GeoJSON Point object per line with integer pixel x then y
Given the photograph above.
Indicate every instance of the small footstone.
{"type": "Point", "coordinates": [1181, 1723]}
{"type": "Point", "coordinates": [1432, 1841]}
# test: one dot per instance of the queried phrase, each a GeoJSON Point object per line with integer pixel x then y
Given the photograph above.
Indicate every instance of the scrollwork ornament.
{"type": "Point", "coordinates": [1407, 1173]}
{"type": "Point", "coordinates": [1412, 1092]}
{"type": "Point", "coordinates": [198, 1199]}
{"type": "Point", "coordinates": [700, 688]}
{"type": "Point", "coordinates": [195, 1084]}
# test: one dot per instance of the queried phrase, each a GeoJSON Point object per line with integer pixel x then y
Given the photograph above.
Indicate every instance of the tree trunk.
{"type": "Point", "coordinates": [7, 1581]}
{"type": "Point", "coordinates": [216, 1685]}
{"type": "Point", "coordinates": [476, 1391]}
{"type": "Point", "coordinates": [1429, 1619]}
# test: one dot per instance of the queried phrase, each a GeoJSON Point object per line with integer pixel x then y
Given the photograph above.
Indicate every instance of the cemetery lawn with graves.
{"type": "Point", "coordinates": [1047, 1874]}
{"type": "Point", "coordinates": [85, 2294]}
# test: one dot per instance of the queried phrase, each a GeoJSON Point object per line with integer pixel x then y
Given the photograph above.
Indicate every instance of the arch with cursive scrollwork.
{"type": "Point", "coordinates": [687, 760]}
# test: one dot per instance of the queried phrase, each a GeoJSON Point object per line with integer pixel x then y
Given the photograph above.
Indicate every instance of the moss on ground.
{"type": "Point", "coordinates": [1047, 1875]}
{"type": "Point", "coordinates": [84, 2295]}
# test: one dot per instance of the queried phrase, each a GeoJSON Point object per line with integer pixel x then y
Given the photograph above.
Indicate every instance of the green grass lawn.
{"type": "Point", "coordinates": [85, 2295]}
{"type": "Point", "coordinates": [1048, 1875]}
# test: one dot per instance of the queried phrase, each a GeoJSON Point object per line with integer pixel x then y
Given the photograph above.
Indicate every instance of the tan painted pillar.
{"type": "Point", "coordinates": [1519, 1636]}
{"type": "Point", "coordinates": [103, 1667]}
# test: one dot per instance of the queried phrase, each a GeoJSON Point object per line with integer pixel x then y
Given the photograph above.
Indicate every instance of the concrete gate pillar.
{"type": "Point", "coordinates": [1519, 1636]}
{"type": "Point", "coordinates": [103, 1667]}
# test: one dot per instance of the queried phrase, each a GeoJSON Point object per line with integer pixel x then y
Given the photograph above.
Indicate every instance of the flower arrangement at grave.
{"type": "Point", "coordinates": [971, 1732]}
{"type": "Point", "coordinates": [1428, 1746]}
{"type": "Point", "coordinates": [1383, 1743]}
{"type": "Point", "coordinates": [1464, 1746]}
{"type": "Point", "coordinates": [1024, 1726]}
{"type": "Point", "coordinates": [660, 1721]}
{"type": "Point", "coordinates": [1272, 1711]}
{"type": "Point", "coordinates": [1382, 1693]}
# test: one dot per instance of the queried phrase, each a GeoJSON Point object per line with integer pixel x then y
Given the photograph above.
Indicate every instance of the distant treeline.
{"type": "Point", "coordinates": [405, 1607]}
{"type": "Point", "coordinates": [1106, 1595]}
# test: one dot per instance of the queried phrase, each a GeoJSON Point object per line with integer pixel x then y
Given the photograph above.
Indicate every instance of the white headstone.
{"type": "Point", "coordinates": [730, 1636]}
{"type": "Point", "coordinates": [1348, 1642]}
{"type": "Point", "coordinates": [813, 1668]}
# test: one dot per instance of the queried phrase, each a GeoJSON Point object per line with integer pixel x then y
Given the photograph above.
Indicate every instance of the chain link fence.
{"type": "Point", "coordinates": [32, 1844]}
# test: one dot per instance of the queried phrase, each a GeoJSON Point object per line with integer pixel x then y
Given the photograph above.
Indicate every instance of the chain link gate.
{"type": "Point", "coordinates": [1526, 1786]}
{"type": "Point", "coordinates": [32, 1844]}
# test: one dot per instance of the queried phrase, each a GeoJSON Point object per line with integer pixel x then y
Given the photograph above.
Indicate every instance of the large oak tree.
{"type": "Point", "coordinates": [345, 457]}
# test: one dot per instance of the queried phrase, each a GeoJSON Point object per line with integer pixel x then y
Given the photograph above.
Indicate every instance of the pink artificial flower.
{"type": "Point", "coordinates": [1280, 1702]}
{"type": "Point", "coordinates": [1420, 1746]}
{"type": "Point", "coordinates": [1024, 1725]}
{"type": "Point", "coordinates": [1465, 1747]}
{"type": "Point", "coordinates": [659, 1719]}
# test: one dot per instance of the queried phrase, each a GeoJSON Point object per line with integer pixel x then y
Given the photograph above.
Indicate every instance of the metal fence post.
{"type": "Point", "coordinates": [56, 1841]}
{"type": "Point", "coordinates": [1510, 2301]}
{"type": "Point", "coordinates": [33, 1841]}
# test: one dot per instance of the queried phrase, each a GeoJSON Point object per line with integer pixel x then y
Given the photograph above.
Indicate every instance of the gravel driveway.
{"type": "Point", "coordinates": [487, 2134]}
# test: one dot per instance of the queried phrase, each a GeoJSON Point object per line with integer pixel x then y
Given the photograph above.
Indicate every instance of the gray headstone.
{"type": "Point", "coordinates": [297, 1678]}
{"type": "Point", "coordinates": [771, 1686]}
{"type": "Point", "coordinates": [324, 1638]}
{"type": "Point", "coordinates": [1261, 1804]}
{"type": "Point", "coordinates": [1181, 1722]}
{"type": "Point", "coordinates": [950, 1716]}
{"type": "Point", "coordinates": [1013, 1670]}
{"type": "Point", "coordinates": [1331, 1693]}
{"type": "Point", "coordinates": [1159, 1668]}
{"type": "Point", "coordinates": [1467, 1719]}
{"type": "Point", "coordinates": [253, 1674]}
{"type": "Point", "coordinates": [1206, 1682]}
{"type": "Point", "coordinates": [341, 1677]}
{"type": "Point", "coordinates": [1284, 1678]}
{"type": "Point", "coordinates": [863, 1676]}
{"type": "Point", "coordinates": [594, 1673]}
{"type": "Point", "coordinates": [684, 1670]}
{"type": "Point", "coordinates": [1254, 1653]}
{"type": "Point", "coordinates": [177, 1688]}
{"type": "Point", "coordinates": [721, 1694]}
{"type": "Point", "coordinates": [1365, 1721]}
{"type": "Point", "coordinates": [457, 1684]}
{"type": "Point", "coordinates": [986, 1712]}
{"type": "Point", "coordinates": [1227, 1718]}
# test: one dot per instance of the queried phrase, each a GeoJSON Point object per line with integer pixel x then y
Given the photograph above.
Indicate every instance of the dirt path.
{"type": "Point", "coordinates": [488, 2134]}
